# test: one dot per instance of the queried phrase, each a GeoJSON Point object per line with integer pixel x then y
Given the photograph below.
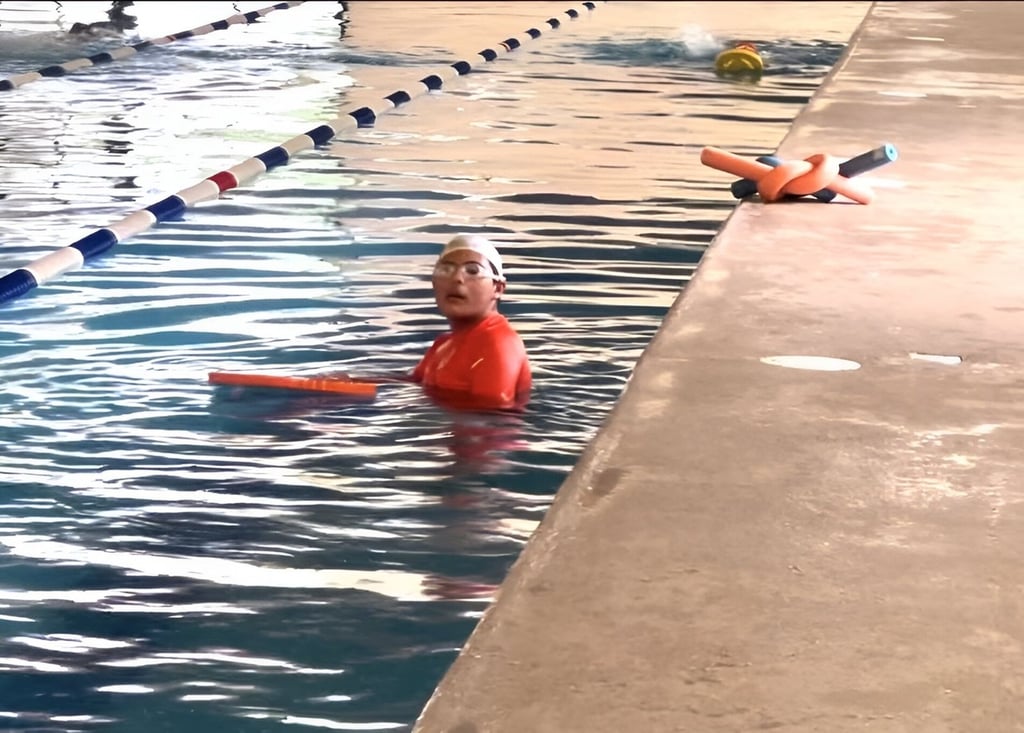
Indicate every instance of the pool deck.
{"type": "Point", "coordinates": [748, 546]}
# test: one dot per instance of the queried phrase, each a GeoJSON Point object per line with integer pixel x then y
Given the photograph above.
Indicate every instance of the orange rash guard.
{"type": "Point", "coordinates": [485, 363]}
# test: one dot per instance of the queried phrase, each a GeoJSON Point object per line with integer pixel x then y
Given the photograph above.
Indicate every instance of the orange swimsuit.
{"type": "Point", "coordinates": [485, 363]}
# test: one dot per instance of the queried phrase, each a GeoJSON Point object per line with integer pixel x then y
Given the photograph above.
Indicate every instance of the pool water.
{"type": "Point", "coordinates": [175, 556]}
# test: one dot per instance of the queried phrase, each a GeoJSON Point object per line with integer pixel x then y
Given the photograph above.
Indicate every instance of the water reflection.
{"type": "Point", "coordinates": [477, 442]}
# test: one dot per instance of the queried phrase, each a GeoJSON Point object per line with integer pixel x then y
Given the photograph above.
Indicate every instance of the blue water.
{"type": "Point", "coordinates": [177, 557]}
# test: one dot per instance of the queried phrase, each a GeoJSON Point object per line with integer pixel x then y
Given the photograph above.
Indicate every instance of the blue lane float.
{"type": "Point", "coordinates": [124, 52]}
{"type": "Point", "coordinates": [47, 268]}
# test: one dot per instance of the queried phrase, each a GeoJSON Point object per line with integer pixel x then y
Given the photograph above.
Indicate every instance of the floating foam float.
{"type": "Point", "coordinates": [364, 390]}
{"type": "Point", "coordinates": [741, 59]}
{"type": "Point", "coordinates": [867, 161]}
{"type": "Point", "coordinates": [789, 178]}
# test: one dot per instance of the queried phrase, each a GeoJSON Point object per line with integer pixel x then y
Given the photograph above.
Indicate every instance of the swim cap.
{"type": "Point", "coordinates": [480, 245]}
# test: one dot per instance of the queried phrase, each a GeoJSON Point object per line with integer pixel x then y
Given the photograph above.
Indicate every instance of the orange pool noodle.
{"type": "Point", "coordinates": [799, 177]}
{"type": "Point", "coordinates": [309, 384]}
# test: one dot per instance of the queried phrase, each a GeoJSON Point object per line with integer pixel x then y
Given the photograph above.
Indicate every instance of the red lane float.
{"type": "Point", "coordinates": [792, 177]}
{"type": "Point", "coordinates": [308, 384]}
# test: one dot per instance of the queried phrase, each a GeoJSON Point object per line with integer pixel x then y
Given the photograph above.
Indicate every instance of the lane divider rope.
{"type": "Point", "coordinates": [19, 80]}
{"type": "Point", "coordinates": [72, 257]}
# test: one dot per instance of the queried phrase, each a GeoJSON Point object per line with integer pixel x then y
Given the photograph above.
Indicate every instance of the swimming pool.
{"type": "Point", "coordinates": [176, 557]}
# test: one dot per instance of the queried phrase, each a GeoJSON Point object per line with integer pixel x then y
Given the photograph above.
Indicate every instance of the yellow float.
{"type": "Point", "coordinates": [740, 60]}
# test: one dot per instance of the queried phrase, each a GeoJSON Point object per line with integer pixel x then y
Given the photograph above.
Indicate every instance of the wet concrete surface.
{"type": "Point", "coordinates": [746, 545]}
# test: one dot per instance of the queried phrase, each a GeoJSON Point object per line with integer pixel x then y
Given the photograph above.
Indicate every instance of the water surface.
{"type": "Point", "coordinates": [177, 557]}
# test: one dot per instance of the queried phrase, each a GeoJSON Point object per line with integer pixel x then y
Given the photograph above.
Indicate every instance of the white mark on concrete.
{"type": "Point", "coordinates": [815, 363]}
{"type": "Point", "coordinates": [947, 359]}
{"type": "Point", "coordinates": [901, 93]}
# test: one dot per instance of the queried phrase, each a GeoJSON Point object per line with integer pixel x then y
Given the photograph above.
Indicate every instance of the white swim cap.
{"type": "Point", "coordinates": [480, 245]}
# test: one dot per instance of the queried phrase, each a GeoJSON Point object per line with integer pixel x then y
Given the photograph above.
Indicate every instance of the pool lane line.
{"type": "Point", "coordinates": [72, 257]}
{"type": "Point", "coordinates": [18, 80]}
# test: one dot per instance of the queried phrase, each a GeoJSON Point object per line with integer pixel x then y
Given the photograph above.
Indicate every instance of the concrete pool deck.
{"type": "Point", "coordinates": [749, 546]}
